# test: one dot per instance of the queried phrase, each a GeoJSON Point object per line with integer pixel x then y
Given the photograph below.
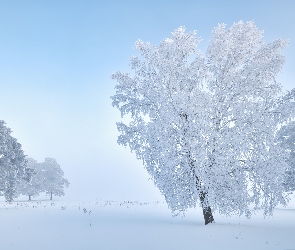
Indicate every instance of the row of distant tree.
{"type": "Point", "coordinates": [46, 177]}
{"type": "Point", "coordinates": [20, 175]}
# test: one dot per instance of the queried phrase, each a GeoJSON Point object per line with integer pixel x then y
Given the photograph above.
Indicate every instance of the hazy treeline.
{"type": "Point", "coordinates": [20, 175]}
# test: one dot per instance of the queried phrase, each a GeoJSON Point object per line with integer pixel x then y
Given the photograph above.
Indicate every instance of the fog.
{"type": "Point", "coordinates": [56, 60]}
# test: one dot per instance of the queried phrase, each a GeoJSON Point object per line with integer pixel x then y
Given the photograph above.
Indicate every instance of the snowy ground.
{"type": "Point", "coordinates": [134, 225]}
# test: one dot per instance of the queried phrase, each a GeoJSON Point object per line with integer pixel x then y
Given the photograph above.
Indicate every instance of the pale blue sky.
{"type": "Point", "coordinates": [56, 58]}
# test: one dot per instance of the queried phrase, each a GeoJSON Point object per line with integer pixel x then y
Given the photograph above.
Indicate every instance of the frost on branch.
{"type": "Point", "coordinates": [286, 139]}
{"type": "Point", "coordinates": [204, 125]}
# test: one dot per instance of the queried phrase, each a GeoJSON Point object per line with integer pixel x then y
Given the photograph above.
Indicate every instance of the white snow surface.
{"type": "Point", "coordinates": [129, 225]}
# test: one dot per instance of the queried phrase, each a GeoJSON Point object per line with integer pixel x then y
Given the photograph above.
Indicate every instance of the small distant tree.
{"type": "Point", "coordinates": [53, 180]}
{"type": "Point", "coordinates": [13, 165]}
{"type": "Point", "coordinates": [33, 186]}
{"type": "Point", "coordinates": [286, 139]}
{"type": "Point", "coordinates": [204, 125]}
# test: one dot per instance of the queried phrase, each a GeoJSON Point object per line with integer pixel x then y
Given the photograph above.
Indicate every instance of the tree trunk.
{"type": "Point", "coordinates": [51, 196]}
{"type": "Point", "coordinates": [208, 216]}
{"type": "Point", "coordinates": [29, 197]}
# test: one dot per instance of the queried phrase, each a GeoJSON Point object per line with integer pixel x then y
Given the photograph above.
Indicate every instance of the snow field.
{"type": "Point", "coordinates": [136, 225]}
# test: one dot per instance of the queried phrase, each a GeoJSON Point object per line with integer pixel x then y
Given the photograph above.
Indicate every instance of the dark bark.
{"type": "Point", "coordinates": [207, 213]}
{"type": "Point", "coordinates": [29, 197]}
{"type": "Point", "coordinates": [208, 216]}
{"type": "Point", "coordinates": [51, 196]}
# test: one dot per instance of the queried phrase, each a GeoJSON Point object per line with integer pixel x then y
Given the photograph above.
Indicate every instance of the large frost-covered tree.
{"type": "Point", "coordinates": [53, 180]}
{"type": "Point", "coordinates": [204, 125]}
{"type": "Point", "coordinates": [12, 163]}
{"type": "Point", "coordinates": [286, 139]}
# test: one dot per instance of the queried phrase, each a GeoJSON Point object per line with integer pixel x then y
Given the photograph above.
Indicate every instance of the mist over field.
{"type": "Point", "coordinates": [56, 62]}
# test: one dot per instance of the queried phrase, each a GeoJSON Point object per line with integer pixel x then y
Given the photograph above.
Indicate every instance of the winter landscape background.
{"type": "Point", "coordinates": [55, 67]}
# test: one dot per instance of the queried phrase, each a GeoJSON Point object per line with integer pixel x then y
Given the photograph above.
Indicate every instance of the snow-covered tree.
{"type": "Point", "coordinates": [204, 125]}
{"type": "Point", "coordinates": [34, 186]}
{"type": "Point", "coordinates": [12, 163]}
{"type": "Point", "coordinates": [53, 181]}
{"type": "Point", "coordinates": [286, 139]}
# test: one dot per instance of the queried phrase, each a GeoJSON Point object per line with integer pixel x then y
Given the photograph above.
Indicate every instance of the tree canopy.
{"type": "Point", "coordinates": [204, 124]}
{"type": "Point", "coordinates": [53, 180]}
{"type": "Point", "coordinates": [12, 163]}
